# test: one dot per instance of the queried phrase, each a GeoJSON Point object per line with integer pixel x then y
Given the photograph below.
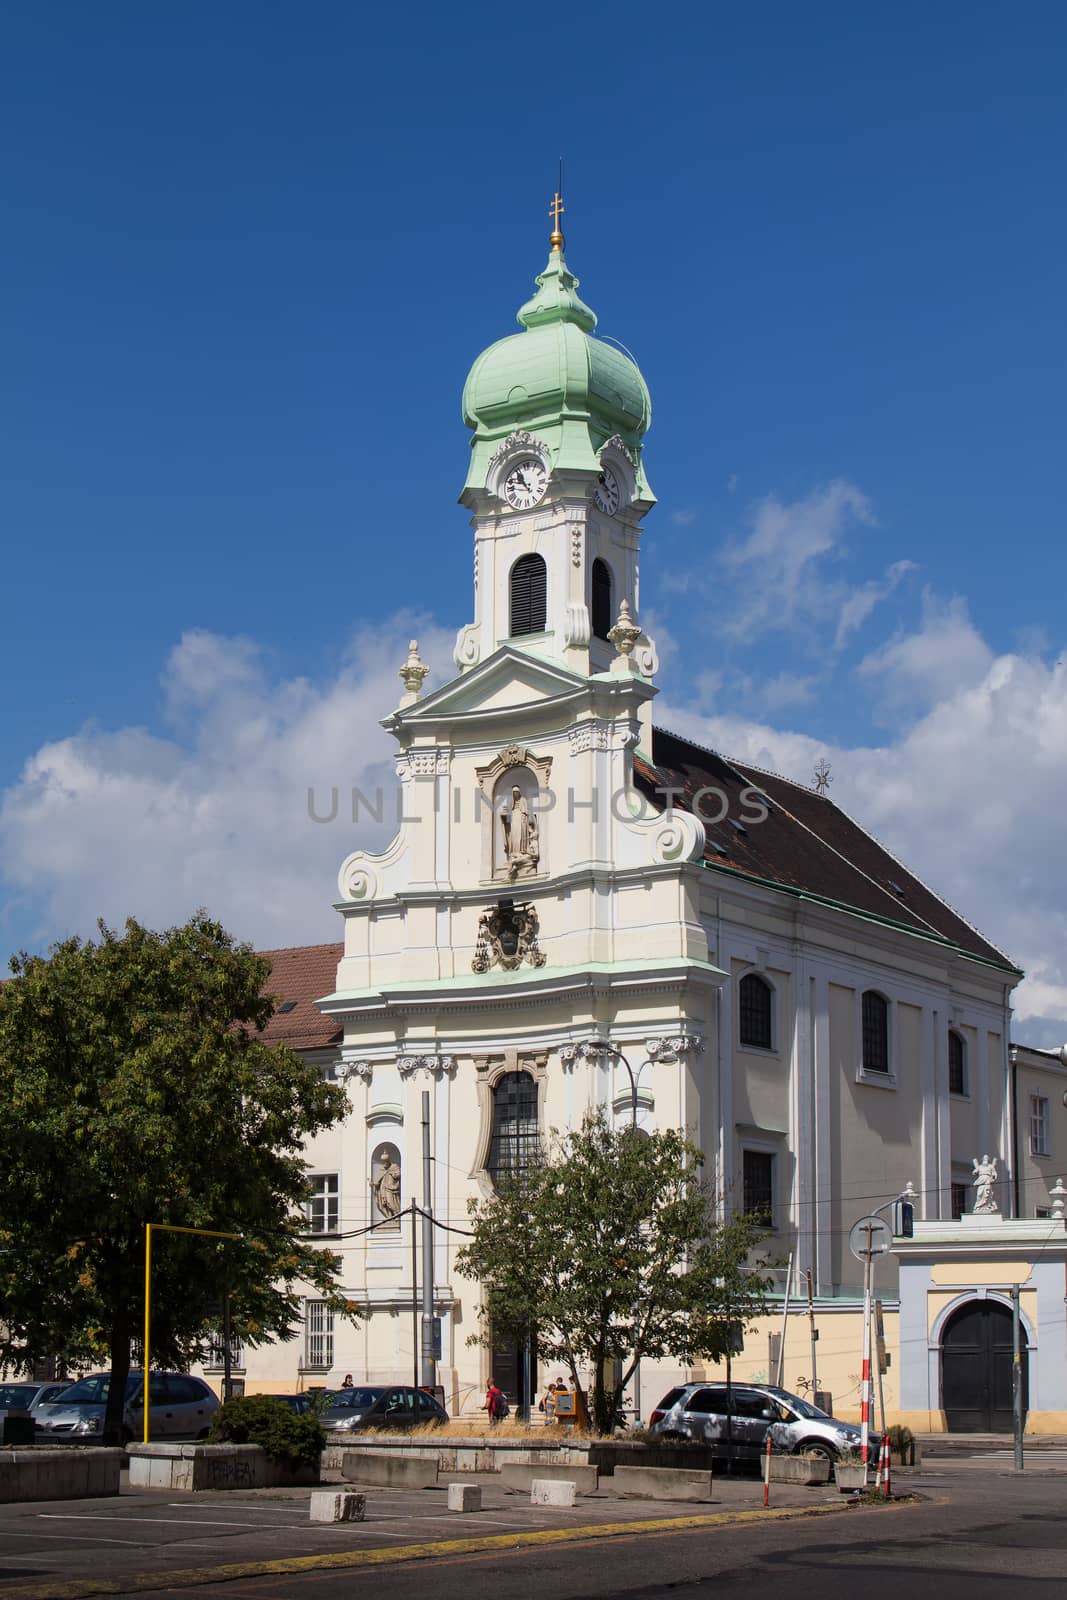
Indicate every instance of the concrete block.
{"type": "Point", "coordinates": [800, 1469]}
{"type": "Point", "coordinates": [551, 1492]}
{"type": "Point", "coordinates": [388, 1472]}
{"type": "Point", "coordinates": [663, 1483]}
{"type": "Point", "coordinates": [464, 1497]}
{"type": "Point", "coordinates": [330, 1505]}
{"type": "Point", "coordinates": [518, 1477]}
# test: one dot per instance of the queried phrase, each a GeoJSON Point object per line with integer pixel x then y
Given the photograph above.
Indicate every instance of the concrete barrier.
{"type": "Point", "coordinates": [663, 1483]}
{"type": "Point", "coordinates": [388, 1472]}
{"type": "Point", "coordinates": [327, 1505]}
{"type": "Point", "coordinates": [551, 1492]}
{"type": "Point", "coordinates": [212, 1467]}
{"type": "Point", "coordinates": [800, 1469]}
{"type": "Point", "coordinates": [518, 1479]}
{"type": "Point", "coordinates": [464, 1497]}
{"type": "Point", "coordinates": [42, 1474]}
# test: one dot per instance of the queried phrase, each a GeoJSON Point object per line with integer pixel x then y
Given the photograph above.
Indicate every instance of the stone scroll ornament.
{"type": "Point", "coordinates": [507, 938]}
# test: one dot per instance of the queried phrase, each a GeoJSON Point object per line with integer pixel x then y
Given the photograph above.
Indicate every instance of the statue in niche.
{"type": "Point", "coordinates": [521, 847]}
{"type": "Point", "coordinates": [385, 1187]}
{"type": "Point", "coordinates": [985, 1176]}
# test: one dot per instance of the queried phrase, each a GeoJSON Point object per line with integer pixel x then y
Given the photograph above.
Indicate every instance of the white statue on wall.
{"type": "Point", "coordinates": [521, 848]}
{"type": "Point", "coordinates": [985, 1176]}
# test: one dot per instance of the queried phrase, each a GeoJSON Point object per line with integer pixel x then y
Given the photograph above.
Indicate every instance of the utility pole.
{"type": "Point", "coordinates": [814, 1338]}
{"type": "Point", "coordinates": [414, 1300]}
{"type": "Point", "coordinates": [428, 1373]}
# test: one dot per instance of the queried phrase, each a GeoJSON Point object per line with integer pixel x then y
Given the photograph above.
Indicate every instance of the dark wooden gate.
{"type": "Point", "coordinates": [976, 1369]}
{"type": "Point", "coordinates": [509, 1372]}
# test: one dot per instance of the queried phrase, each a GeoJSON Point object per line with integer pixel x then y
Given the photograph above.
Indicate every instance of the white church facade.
{"type": "Point", "coordinates": [583, 909]}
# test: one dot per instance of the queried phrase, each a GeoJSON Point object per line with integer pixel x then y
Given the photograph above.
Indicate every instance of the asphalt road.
{"type": "Point", "coordinates": [973, 1530]}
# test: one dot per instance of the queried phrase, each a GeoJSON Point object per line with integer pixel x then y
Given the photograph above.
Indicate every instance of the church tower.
{"type": "Point", "coordinates": [556, 484]}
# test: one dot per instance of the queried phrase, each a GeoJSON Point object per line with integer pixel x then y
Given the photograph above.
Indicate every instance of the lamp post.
{"type": "Point", "coordinates": [163, 1227]}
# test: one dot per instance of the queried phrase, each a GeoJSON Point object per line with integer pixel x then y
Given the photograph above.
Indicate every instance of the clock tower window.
{"type": "Point", "coordinates": [602, 609]}
{"type": "Point", "coordinates": [528, 595]}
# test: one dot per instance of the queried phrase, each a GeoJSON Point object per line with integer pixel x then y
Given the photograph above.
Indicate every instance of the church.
{"type": "Point", "coordinates": [582, 909]}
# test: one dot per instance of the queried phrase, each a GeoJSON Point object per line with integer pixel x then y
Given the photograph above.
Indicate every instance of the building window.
{"type": "Point", "coordinates": [758, 1182]}
{"type": "Point", "coordinates": [516, 1139]}
{"type": "Point", "coordinates": [875, 1032]}
{"type": "Point", "coordinates": [216, 1351]}
{"type": "Point", "coordinates": [529, 596]}
{"type": "Point", "coordinates": [1038, 1125]}
{"type": "Point", "coordinates": [957, 1063]}
{"type": "Point", "coordinates": [601, 597]}
{"type": "Point", "coordinates": [323, 1207]}
{"type": "Point", "coordinates": [754, 1011]}
{"type": "Point", "coordinates": [318, 1334]}
{"type": "Point", "coordinates": [1043, 1213]}
{"type": "Point", "coordinates": [959, 1200]}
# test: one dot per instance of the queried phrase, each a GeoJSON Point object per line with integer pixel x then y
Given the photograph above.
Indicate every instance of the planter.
{"type": "Point", "coordinates": [852, 1476]}
{"type": "Point", "coordinates": [800, 1469]}
{"type": "Point", "coordinates": [47, 1474]}
{"type": "Point", "coordinates": [911, 1457]}
{"type": "Point", "coordinates": [212, 1466]}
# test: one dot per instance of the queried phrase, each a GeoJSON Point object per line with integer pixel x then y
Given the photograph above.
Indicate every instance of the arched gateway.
{"type": "Point", "coordinates": [976, 1355]}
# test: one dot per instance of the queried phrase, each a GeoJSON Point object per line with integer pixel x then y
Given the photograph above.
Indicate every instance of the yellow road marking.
{"type": "Point", "coordinates": [342, 1560]}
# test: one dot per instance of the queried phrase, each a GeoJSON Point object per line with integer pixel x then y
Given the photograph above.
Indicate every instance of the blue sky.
{"type": "Point", "coordinates": [252, 251]}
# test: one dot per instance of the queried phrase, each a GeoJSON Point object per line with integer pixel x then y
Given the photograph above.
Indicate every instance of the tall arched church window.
{"type": "Point", "coordinates": [516, 1140]}
{"type": "Point", "coordinates": [601, 598]}
{"type": "Point", "coordinates": [875, 1032]}
{"type": "Point", "coordinates": [754, 1011]}
{"type": "Point", "coordinates": [528, 596]}
{"type": "Point", "coordinates": [957, 1063]}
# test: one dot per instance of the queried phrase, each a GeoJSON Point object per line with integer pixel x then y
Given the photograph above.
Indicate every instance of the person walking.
{"type": "Point", "coordinates": [495, 1404]}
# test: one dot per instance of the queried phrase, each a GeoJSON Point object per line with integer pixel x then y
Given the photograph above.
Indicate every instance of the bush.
{"type": "Point", "coordinates": [283, 1434]}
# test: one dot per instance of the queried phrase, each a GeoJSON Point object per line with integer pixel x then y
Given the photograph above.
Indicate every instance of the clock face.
{"type": "Point", "coordinates": [608, 492]}
{"type": "Point", "coordinates": [525, 483]}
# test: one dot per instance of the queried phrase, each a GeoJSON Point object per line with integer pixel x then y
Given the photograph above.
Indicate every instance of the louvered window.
{"type": "Point", "coordinates": [754, 1004]}
{"type": "Point", "coordinates": [601, 597]}
{"type": "Point", "coordinates": [529, 596]}
{"type": "Point", "coordinates": [875, 1033]}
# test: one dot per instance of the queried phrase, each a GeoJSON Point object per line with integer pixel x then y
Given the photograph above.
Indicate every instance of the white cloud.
{"type": "Point", "coordinates": [118, 823]}
{"type": "Point", "coordinates": [857, 606]}
{"type": "Point", "coordinates": [969, 795]}
{"type": "Point", "coordinates": [945, 653]}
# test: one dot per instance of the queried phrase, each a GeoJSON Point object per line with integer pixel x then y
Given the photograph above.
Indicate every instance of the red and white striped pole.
{"type": "Point", "coordinates": [886, 1463]}
{"type": "Point", "coordinates": [767, 1471]}
{"type": "Point", "coordinates": [865, 1399]}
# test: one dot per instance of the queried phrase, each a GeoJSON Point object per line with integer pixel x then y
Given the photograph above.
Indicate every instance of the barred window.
{"type": "Point", "coordinates": [323, 1207]}
{"type": "Point", "coordinates": [216, 1351]}
{"type": "Point", "coordinates": [875, 1032]}
{"type": "Point", "coordinates": [1038, 1125]}
{"type": "Point", "coordinates": [754, 1008]}
{"type": "Point", "coordinates": [528, 596]}
{"type": "Point", "coordinates": [516, 1138]}
{"type": "Point", "coordinates": [758, 1183]}
{"type": "Point", "coordinates": [318, 1334]}
{"type": "Point", "coordinates": [602, 618]}
{"type": "Point", "coordinates": [957, 1063]}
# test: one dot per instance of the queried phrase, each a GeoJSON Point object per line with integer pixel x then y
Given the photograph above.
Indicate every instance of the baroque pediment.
{"type": "Point", "coordinates": [506, 681]}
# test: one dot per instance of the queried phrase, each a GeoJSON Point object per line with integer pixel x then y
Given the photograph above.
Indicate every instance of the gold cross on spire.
{"type": "Point", "coordinates": [555, 211]}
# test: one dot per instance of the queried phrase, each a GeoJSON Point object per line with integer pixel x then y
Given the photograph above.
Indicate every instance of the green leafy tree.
{"type": "Point", "coordinates": [608, 1252]}
{"type": "Point", "coordinates": [136, 1089]}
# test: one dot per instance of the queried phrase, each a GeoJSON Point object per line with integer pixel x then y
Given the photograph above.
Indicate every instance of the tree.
{"type": "Point", "coordinates": [136, 1089]}
{"type": "Point", "coordinates": [607, 1251]}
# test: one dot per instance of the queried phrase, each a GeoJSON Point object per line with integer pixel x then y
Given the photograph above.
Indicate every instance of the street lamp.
{"type": "Point", "coordinates": [604, 1047]}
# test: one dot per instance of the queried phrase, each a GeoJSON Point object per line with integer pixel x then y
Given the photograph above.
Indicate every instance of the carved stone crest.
{"type": "Point", "coordinates": [507, 938]}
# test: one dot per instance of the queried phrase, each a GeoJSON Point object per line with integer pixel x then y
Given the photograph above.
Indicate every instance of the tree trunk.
{"type": "Point", "coordinates": [119, 1351]}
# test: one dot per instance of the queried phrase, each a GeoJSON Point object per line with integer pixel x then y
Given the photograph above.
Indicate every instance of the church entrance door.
{"type": "Point", "coordinates": [509, 1373]}
{"type": "Point", "coordinates": [976, 1369]}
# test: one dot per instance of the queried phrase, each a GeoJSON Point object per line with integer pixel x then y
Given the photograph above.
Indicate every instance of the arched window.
{"type": "Point", "coordinates": [754, 1011]}
{"type": "Point", "coordinates": [957, 1063]}
{"type": "Point", "coordinates": [529, 596]}
{"type": "Point", "coordinates": [875, 1032]}
{"type": "Point", "coordinates": [601, 597]}
{"type": "Point", "coordinates": [516, 1141]}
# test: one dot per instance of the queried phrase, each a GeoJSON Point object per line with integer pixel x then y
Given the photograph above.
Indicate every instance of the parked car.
{"type": "Point", "coordinates": [700, 1411]}
{"type": "Point", "coordinates": [300, 1403]}
{"type": "Point", "coordinates": [385, 1406]}
{"type": "Point", "coordinates": [180, 1407]}
{"type": "Point", "coordinates": [29, 1396]}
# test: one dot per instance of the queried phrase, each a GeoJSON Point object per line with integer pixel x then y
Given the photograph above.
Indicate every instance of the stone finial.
{"type": "Point", "coordinates": [412, 673]}
{"type": "Point", "coordinates": [1058, 1196]}
{"type": "Point", "coordinates": [624, 635]}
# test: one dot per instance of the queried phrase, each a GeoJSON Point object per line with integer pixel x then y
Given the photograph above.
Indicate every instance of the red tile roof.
{"type": "Point", "coordinates": [303, 973]}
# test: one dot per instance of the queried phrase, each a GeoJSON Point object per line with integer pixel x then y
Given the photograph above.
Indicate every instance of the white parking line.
{"type": "Point", "coordinates": [93, 1538]}
{"type": "Point", "coordinates": [171, 1522]}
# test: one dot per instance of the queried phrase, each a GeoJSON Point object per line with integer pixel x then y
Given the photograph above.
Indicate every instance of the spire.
{"type": "Point", "coordinates": [555, 211]}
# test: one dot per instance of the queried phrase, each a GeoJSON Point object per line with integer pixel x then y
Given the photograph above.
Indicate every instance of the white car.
{"type": "Point", "coordinates": [701, 1411]}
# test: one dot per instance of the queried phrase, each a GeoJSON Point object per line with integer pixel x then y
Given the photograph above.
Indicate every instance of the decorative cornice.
{"type": "Point", "coordinates": [590, 735]}
{"type": "Point", "coordinates": [350, 1069]}
{"type": "Point", "coordinates": [673, 1047]}
{"type": "Point", "coordinates": [435, 1066]}
{"type": "Point", "coordinates": [520, 440]}
{"type": "Point", "coordinates": [616, 442]}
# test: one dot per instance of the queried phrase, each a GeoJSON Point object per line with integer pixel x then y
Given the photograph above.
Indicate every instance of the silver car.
{"type": "Point", "coordinates": [30, 1396]}
{"type": "Point", "coordinates": [701, 1411]}
{"type": "Point", "coordinates": [180, 1407]}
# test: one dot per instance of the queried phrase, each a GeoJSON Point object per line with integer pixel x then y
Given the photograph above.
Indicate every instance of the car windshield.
{"type": "Point", "coordinates": [803, 1408]}
{"type": "Point", "coordinates": [16, 1396]}
{"type": "Point", "coordinates": [353, 1399]}
{"type": "Point", "coordinates": [93, 1391]}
